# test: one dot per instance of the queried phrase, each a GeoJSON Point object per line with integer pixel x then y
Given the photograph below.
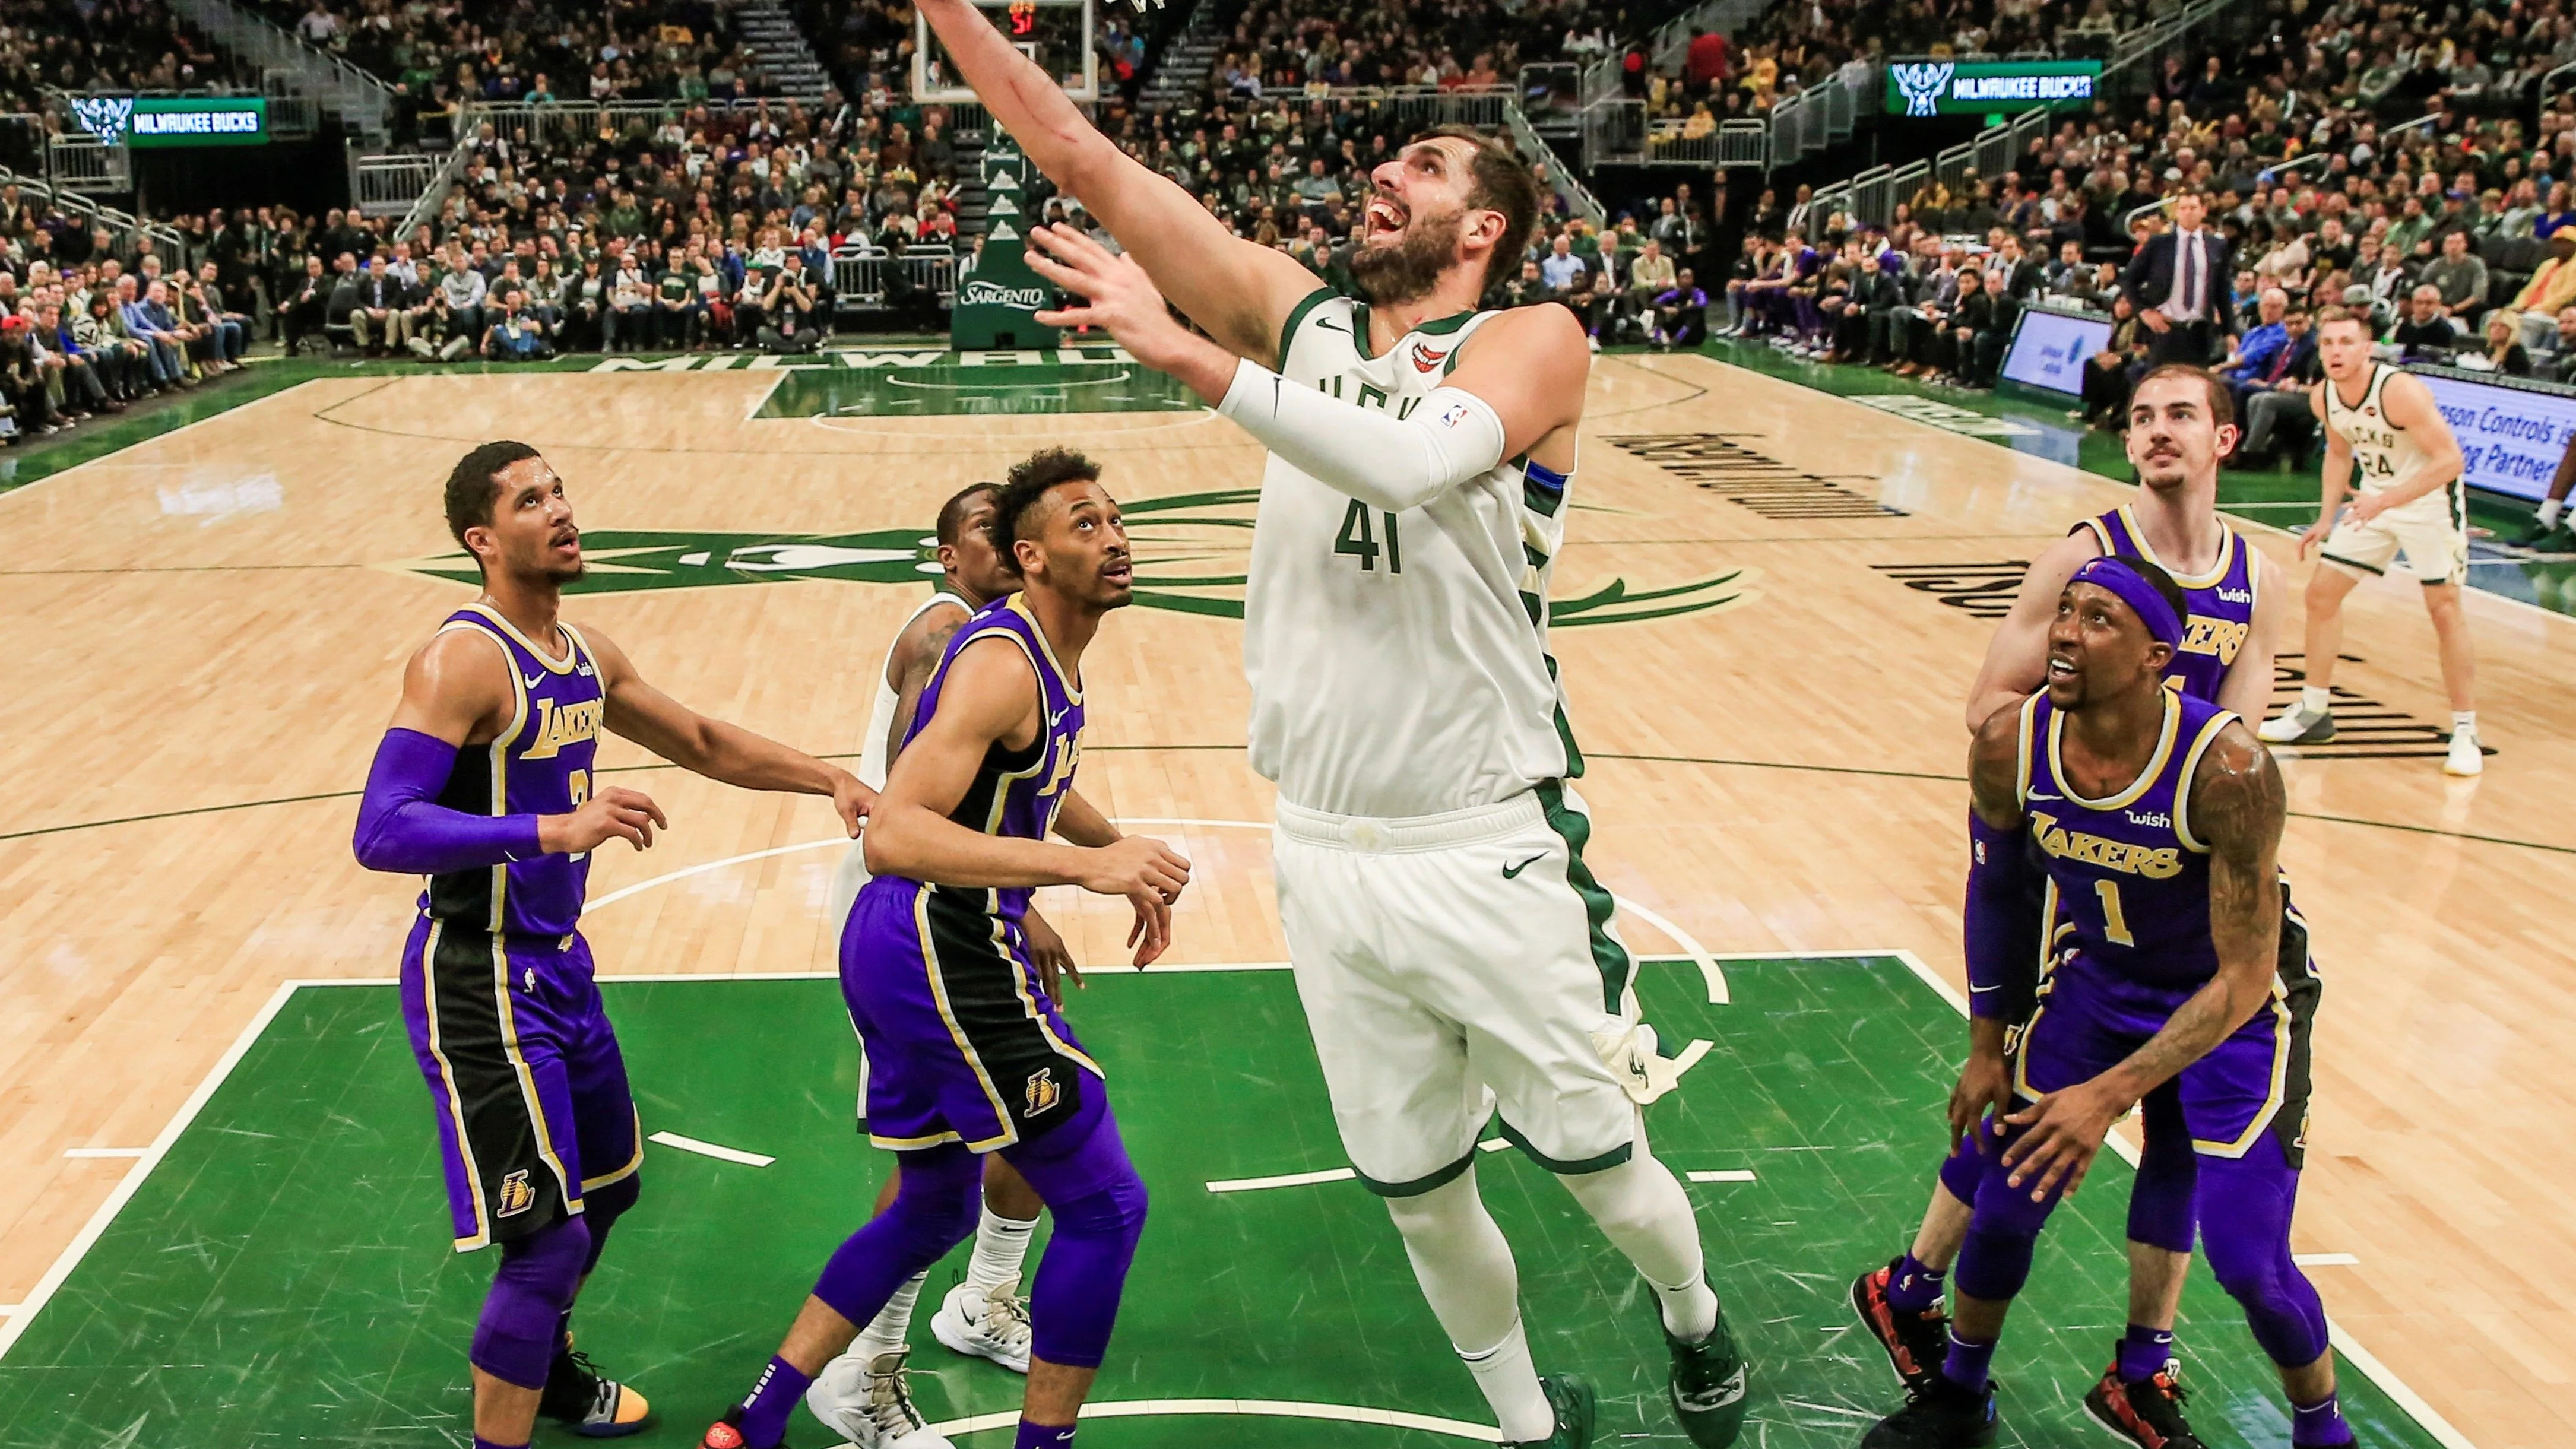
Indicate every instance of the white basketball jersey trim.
{"type": "Point", "coordinates": [1398, 661]}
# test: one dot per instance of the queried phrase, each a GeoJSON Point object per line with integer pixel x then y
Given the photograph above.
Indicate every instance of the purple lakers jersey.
{"type": "Point", "coordinates": [2128, 882]}
{"type": "Point", "coordinates": [1015, 792]}
{"type": "Point", "coordinates": [2221, 601]}
{"type": "Point", "coordinates": [539, 764]}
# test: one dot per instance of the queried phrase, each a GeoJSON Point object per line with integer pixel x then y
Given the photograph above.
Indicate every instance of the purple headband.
{"type": "Point", "coordinates": [2150, 604]}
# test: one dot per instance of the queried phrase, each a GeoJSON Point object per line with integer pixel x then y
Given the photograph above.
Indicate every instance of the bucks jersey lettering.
{"type": "Point", "coordinates": [2383, 451]}
{"type": "Point", "coordinates": [1398, 660]}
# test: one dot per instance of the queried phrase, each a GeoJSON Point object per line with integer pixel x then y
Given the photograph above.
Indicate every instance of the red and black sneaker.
{"type": "Point", "coordinates": [2147, 1414]}
{"type": "Point", "coordinates": [1915, 1342]}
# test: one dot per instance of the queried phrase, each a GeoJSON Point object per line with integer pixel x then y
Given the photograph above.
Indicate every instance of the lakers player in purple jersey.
{"type": "Point", "coordinates": [967, 1053]}
{"type": "Point", "coordinates": [2153, 820]}
{"type": "Point", "coordinates": [2181, 423]}
{"type": "Point", "coordinates": [486, 784]}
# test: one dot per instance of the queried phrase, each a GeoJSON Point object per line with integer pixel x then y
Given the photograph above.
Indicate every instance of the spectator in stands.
{"type": "Point", "coordinates": [2111, 372]}
{"type": "Point", "coordinates": [2175, 282]}
{"type": "Point", "coordinates": [2551, 288]}
{"type": "Point", "coordinates": [2561, 354]}
{"type": "Point", "coordinates": [1976, 340]}
{"type": "Point", "coordinates": [515, 334]}
{"type": "Point", "coordinates": [788, 308]}
{"type": "Point", "coordinates": [210, 295]}
{"type": "Point", "coordinates": [1652, 274]}
{"type": "Point", "coordinates": [630, 305]}
{"type": "Point", "coordinates": [2460, 276]}
{"type": "Point", "coordinates": [22, 381]}
{"type": "Point", "coordinates": [147, 318]}
{"type": "Point", "coordinates": [2504, 351]}
{"type": "Point", "coordinates": [2424, 334]}
{"type": "Point", "coordinates": [586, 303]}
{"type": "Point", "coordinates": [1562, 270]}
{"type": "Point", "coordinates": [445, 334]}
{"type": "Point", "coordinates": [2255, 352]}
{"type": "Point", "coordinates": [380, 322]}
{"type": "Point", "coordinates": [2275, 403]}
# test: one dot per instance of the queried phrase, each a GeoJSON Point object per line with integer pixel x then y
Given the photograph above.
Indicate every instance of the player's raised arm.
{"type": "Point", "coordinates": [454, 690]}
{"type": "Point", "coordinates": [2017, 657]}
{"type": "Point", "coordinates": [714, 748]}
{"type": "Point", "coordinates": [989, 697]}
{"type": "Point", "coordinates": [1238, 291]}
{"type": "Point", "coordinates": [1518, 379]}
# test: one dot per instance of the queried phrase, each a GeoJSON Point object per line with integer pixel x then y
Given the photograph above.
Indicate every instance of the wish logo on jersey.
{"type": "Point", "coordinates": [1192, 551]}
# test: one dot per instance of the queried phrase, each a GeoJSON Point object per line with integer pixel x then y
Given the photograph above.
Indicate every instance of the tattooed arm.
{"type": "Point", "coordinates": [915, 658]}
{"type": "Point", "coordinates": [2237, 807]}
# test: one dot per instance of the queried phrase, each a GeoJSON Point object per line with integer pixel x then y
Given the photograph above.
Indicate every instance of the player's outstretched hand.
{"type": "Point", "coordinates": [1112, 293]}
{"type": "Point", "coordinates": [2063, 1132]}
{"type": "Point", "coordinates": [615, 813]}
{"type": "Point", "coordinates": [1985, 1087]}
{"type": "Point", "coordinates": [1151, 875]}
{"type": "Point", "coordinates": [1048, 953]}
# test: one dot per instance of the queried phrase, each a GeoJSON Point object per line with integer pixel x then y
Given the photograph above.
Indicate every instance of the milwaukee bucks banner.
{"type": "Point", "coordinates": [998, 302]}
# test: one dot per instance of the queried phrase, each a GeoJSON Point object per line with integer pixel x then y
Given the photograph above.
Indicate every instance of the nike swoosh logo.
{"type": "Point", "coordinates": [535, 679]}
{"type": "Point", "coordinates": [2044, 795]}
{"type": "Point", "coordinates": [1511, 871]}
{"type": "Point", "coordinates": [1978, 990]}
{"type": "Point", "coordinates": [1329, 327]}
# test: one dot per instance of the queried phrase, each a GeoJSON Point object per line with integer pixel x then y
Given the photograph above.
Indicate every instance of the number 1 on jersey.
{"type": "Point", "coordinates": [2115, 926]}
{"type": "Point", "coordinates": [1356, 539]}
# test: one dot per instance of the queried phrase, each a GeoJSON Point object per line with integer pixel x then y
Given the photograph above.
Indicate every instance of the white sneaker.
{"type": "Point", "coordinates": [2465, 757]}
{"type": "Point", "coordinates": [870, 1404]}
{"type": "Point", "coordinates": [995, 1327]}
{"type": "Point", "coordinates": [2297, 726]}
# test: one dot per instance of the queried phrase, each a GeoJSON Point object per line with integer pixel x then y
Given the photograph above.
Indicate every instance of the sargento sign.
{"type": "Point", "coordinates": [1977, 87]}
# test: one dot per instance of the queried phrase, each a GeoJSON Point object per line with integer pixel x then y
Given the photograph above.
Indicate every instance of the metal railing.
{"type": "Point", "coordinates": [1613, 133]}
{"type": "Point", "coordinates": [1568, 187]}
{"type": "Point", "coordinates": [2550, 85]}
{"type": "Point", "coordinates": [859, 274]}
{"type": "Point", "coordinates": [364, 102]}
{"type": "Point", "coordinates": [389, 185]}
{"type": "Point", "coordinates": [1551, 93]}
{"type": "Point", "coordinates": [79, 161]}
{"type": "Point", "coordinates": [433, 192]}
{"type": "Point", "coordinates": [126, 228]}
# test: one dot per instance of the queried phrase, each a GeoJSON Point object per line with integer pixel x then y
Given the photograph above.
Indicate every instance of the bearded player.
{"type": "Point", "coordinates": [2153, 819]}
{"type": "Point", "coordinates": [2181, 422]}
{"type": "Point", "coordinates": [1452, 949]}
{"type": "Point", "coordinates": [484, 784]}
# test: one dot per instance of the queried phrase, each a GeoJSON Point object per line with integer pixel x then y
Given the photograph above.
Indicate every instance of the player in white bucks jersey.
{"type": "Point", "coordinates": [866, 1394]}
{"type": "Point", "coordinates": [2384, 434]}
{"type": "Point", "coordinates": [1454, 953]}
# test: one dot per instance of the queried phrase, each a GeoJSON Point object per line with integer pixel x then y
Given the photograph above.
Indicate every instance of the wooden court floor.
{"type": "Point", "coordinates": [204, 634]}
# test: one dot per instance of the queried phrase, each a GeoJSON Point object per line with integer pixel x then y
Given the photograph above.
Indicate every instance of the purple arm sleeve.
{"type": "Point", "coordinates": [2002, 922]}
{"type": "Point", "coordinates": [402, 828]}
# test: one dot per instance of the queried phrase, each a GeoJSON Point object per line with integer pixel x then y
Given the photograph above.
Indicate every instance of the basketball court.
{"type": "Point", "coordinates": [218, 1216]}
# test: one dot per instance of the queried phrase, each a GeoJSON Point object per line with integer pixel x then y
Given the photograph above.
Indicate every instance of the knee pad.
{"type": "Point", "coordinates": [1116, 1210]}
{"type": "Point", "coordinates": [515, 1338]}
{"type": "Point", "coordinates": [1964, 1171]}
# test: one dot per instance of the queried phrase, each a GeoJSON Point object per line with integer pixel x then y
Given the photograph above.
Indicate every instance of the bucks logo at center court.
{"type": "Point", "coordinates": [1190, 551]}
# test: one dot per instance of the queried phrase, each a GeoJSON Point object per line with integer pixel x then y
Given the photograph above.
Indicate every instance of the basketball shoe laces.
{"type": "Point", "coordinates": [2154, 1410]}
{"type": "Point", "coordinates": [1006, 1317]}
{"type": "Point", "coordinates": [890, 1395]}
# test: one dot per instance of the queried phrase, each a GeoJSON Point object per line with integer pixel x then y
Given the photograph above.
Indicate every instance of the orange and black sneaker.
{"type": "Point", "coordinates": [2148, 1413]}
{"type": "Point", "coordinates": [590, 1403]}
{"type": "Point", "coordinates": [1915, 1342]}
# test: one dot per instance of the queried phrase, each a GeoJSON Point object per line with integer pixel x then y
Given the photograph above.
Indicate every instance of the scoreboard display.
{"type": "Point", "coordinates": [1056, 34]}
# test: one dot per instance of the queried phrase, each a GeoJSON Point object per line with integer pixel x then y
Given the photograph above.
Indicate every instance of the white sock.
{"type": "Point", "coordinates": [1640, 1205]}
{"type": "Point", "coordinates": [2464, 721]}
{"type": "Point", "coordinates": [893, 1324]}
{"type": "Point", "coordinates": [1468, 1277]}
{"type": "Point", "coordinates": [1521, 1409]}
{"type": "Point", "coordinates": [2550, 508]}
{"type": "Point", "coordinates": [1001, 1245]}
{"type": "Point", "coordinates": [2315, 700]}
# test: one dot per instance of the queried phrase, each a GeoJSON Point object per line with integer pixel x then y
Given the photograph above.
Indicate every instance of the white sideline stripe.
{"type": "Point", "coordinates": [106, 1151]}
{"type": "Point", "coordinates": [1727, 1174]}
{"type": "Point", "coordinates": [123, 1192]}
{"type": "Point", "coordinates": [2398, 1390]}
{"type": "Point", "coordinates": [2325, 1260]}
{"type": "Point", "coordinates": [711, 1149]}
{"type": "Point", "coordinates": [1289, 1179]}
{"type": "Point", "coordinates": [8, 1308]}
{"type": "Point", "coordinates": [1267, 1408]}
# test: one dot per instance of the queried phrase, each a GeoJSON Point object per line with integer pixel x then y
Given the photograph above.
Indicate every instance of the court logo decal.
{"type": "Point", "coordinates": [1984, 590]}
{"type": "Point", "coordinates": [1948, 417]}
{"type": "Point", "coordinates": [1753, 479]}
{"type": "Point", "coordinates": [1191, 550]}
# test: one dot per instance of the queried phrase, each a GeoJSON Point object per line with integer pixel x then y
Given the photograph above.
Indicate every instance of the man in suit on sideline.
{"type": "Point", "coordinates": [2178, 283]}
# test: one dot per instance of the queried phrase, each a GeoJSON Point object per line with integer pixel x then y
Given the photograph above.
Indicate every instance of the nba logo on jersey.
{"type": "Point", "coordinates": [516, 1196]}
{"type": "Point", "coordinates": [1043, 1093]}
{"type": "Point", "coordinates": [1452, 414]}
